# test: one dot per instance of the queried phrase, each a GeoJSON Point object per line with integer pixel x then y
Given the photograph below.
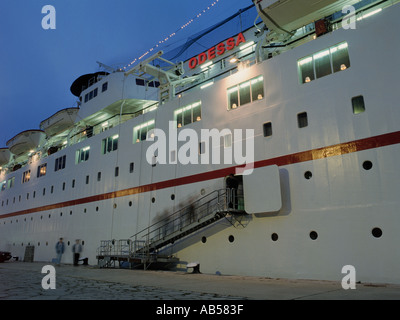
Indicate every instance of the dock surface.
{"type": "Point", "coordinates": [23, 281]}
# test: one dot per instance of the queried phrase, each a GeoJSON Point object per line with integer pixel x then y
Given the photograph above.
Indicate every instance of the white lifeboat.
{"type": "Point", "coordinates": [285, 16]}
{"type": "Point", "coordinates": [25, 141]}
{"type": "Point", "coordinates": [5, 156]}
{"type": "Point", "coordinates": [59, 122]}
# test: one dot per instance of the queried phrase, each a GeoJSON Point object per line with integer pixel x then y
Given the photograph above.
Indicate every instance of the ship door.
{"type": "Point", "coordinates": [234, 192]}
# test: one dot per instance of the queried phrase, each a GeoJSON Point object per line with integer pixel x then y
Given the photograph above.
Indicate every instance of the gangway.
{"type": "Point", "coordinates": [143, 248]}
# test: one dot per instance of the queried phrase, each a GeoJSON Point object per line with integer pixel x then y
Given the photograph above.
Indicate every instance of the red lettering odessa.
{"type": "Point", "coordinates": [202, 57]}
{"type": "Point", "coordinates": [230, 43]}
{"type": "Point", "coordinates": [221, 48]}
{"type": "Point", "coordinates": [193, 63]}
{"type": "Point", "coordinates": [211, 53]}
{"type": "Point", "coordinates": [240, 39]}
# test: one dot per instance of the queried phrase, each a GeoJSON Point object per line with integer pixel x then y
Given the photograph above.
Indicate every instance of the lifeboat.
{"type": "Point", "coordinates": [5, 156]}
{"type": "Point", "coordinates": [59, 122]}
{"type": "Point", "coordinates": [25, 141]}
{"type": "Point", "coordinates": [285, 16]}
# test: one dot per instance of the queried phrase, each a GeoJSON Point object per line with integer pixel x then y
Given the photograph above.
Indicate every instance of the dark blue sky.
{"type": "Point", "coordinates": [38, 66]}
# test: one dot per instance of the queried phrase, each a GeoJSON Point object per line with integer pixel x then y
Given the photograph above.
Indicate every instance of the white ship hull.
{"type": "Point", "coordinates": [344, 213]}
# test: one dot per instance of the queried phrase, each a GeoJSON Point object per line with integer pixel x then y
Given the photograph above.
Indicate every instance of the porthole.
{"type": "Point", "coordinates": [313, 235]}
{"type": "Point", "coordinates": [172, 197]}
{"type": "Point", "coordinates": [231, 238]}
{"type": "Point", "coordinates": [70, 212]}
{"type": "Point", "coordinates": [97, 208]}
{"type": "Point", "coordinates": [130, 203]}
{"type": "Point", "coordinates": [274, 237]}
{"type": "Point", "coordinates": [115, 206]}
{"type": "Point", "coordinates": [377, 232]}
{"type": "Point", "coordinates": [60, 214]}
{"type": "Point", "coordinates": [308, 175]}
{"type": "Point", "coordinates": [367, 165]}
{"type": "Point", "coordinates": [203, 239]}
{"type": "Point", "coordinates": [153, 200]}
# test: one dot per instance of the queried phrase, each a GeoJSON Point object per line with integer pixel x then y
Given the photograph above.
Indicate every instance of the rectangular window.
{"type": "Point", "coordinates": [140, 132]}
{"type": "Point", "coordinates": [82, 155]}
{"type": "Point", "coordinates": [228, 140]}
{"type": "Point", "coordinates": [87, 179]}
{"type": "Point", "coordinates": [3, 185]}
{"type": "Point", "coordinates": [26, 176]}
{"type": "Point", "coordinates": [267, 128]}
{"type": "Point", "coordinates": [358, 104]}
{"type": "Point", "coordinates": [131, 167]}
{"type": "Point", "coordinates": [202, 147]}
{"type": "Point", "coordinates": [110, 144]}
{"type": "Point", "coordinates": [42, 170]}
{"type": "Point", "coordinates": [246, 92]}
{"type": "Point", "coordinates": [73, 183]}
{"type": "Point", "coordinates": [188, 114]}
{"type": "Point", "coordinates": [104, 87]}
{"type": "Point", "coordinates": [10, 182]}
{"type": "Point", "coordinates": [60, 163]}
{"type": "Point", "coordinates": [116, 171]}
{"type": "Point", "coordinates": [302, 120]}
{"type": "Point", "coordinates": [323, 63]}
{"type": "Point", "coordinates": [99, 176]}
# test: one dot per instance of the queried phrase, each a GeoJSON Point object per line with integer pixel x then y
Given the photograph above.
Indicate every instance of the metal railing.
{"type": "Point", "coordinates": [183, 220]}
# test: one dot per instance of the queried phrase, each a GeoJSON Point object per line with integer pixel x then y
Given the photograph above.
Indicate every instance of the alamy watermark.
{"type": "Point", "coordinates": [49, 280]}
{"type": "Point", "coordinates": [203, 149]}
{"type": "Point", "coordinates": [349, 280]}
{"type": "Point", "coordinates": [49, 20]}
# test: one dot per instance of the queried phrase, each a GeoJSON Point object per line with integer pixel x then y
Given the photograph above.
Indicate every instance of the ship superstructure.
{"type": "Point", "coordinates": [299, 106]}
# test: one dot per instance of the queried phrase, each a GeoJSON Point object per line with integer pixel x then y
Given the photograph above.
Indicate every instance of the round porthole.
{"type": "Point", "coordinates": [308, 175]}
{"type": "Point", "coordinates": [367, 165]}
{"type": "Point", "coordinates": [231, 238]}
{"type": "Point", "coordinates": [313, 235]}
{"type": "Point", "coordinates": [172, 197]}
{"type": "Point", "coordinates": [203, 239]}
{"type": "Point", "coordinates": [274, 237]}
{"type": "Point", "coordinates": [377, 232]}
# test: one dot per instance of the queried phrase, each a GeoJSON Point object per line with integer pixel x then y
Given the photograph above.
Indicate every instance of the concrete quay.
{"type": "Point", "coordinates": [23, 281]}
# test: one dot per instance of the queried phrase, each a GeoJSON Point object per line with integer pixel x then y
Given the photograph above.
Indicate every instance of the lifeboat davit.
{"type": "Point", "coordinates": [59, 122]}
{"type": "Point", "coordinates": [25, 141]}
{"type": "Point", "coordinates": [5, 156]}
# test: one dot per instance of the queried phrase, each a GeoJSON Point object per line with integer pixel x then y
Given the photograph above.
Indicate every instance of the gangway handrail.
{"type": "Point", "coordinates": [186, 219]}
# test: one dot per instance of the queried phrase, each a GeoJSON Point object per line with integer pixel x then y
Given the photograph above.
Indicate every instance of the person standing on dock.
{"type": "Point", "coordinates": [59, 250]}
{"type": "Point", "coordinates": [76, 249]}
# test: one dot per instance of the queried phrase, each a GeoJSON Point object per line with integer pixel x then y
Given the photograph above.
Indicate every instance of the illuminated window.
{"type": "Point", "coordinates": [323, 63]}
{"type": "Point", "coordinates": [109, 144]}
{"type": "Point", "coordinates": [188, 114]}
{"type": "Point", "coordinates": [140, 132]}
{"type": "Point", "coordinates": [26, 176]}
{"type": "Point", "coordinates": [42, 170]}
{"type": "Point", "coordinates": [246, 92]}
{"type": "Point", "coordinates": [82, 155]}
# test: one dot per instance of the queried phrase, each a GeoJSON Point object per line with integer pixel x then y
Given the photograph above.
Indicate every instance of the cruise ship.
{"type": "Point", "coordinates": [273, 152]}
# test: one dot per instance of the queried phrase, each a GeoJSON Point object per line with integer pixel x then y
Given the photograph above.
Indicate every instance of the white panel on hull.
{"type": "Point", "coordinates": [262, 190]}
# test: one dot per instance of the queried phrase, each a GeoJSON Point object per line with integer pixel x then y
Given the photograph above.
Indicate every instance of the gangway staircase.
{"type": "Point", "coordinates": [145, 247]}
